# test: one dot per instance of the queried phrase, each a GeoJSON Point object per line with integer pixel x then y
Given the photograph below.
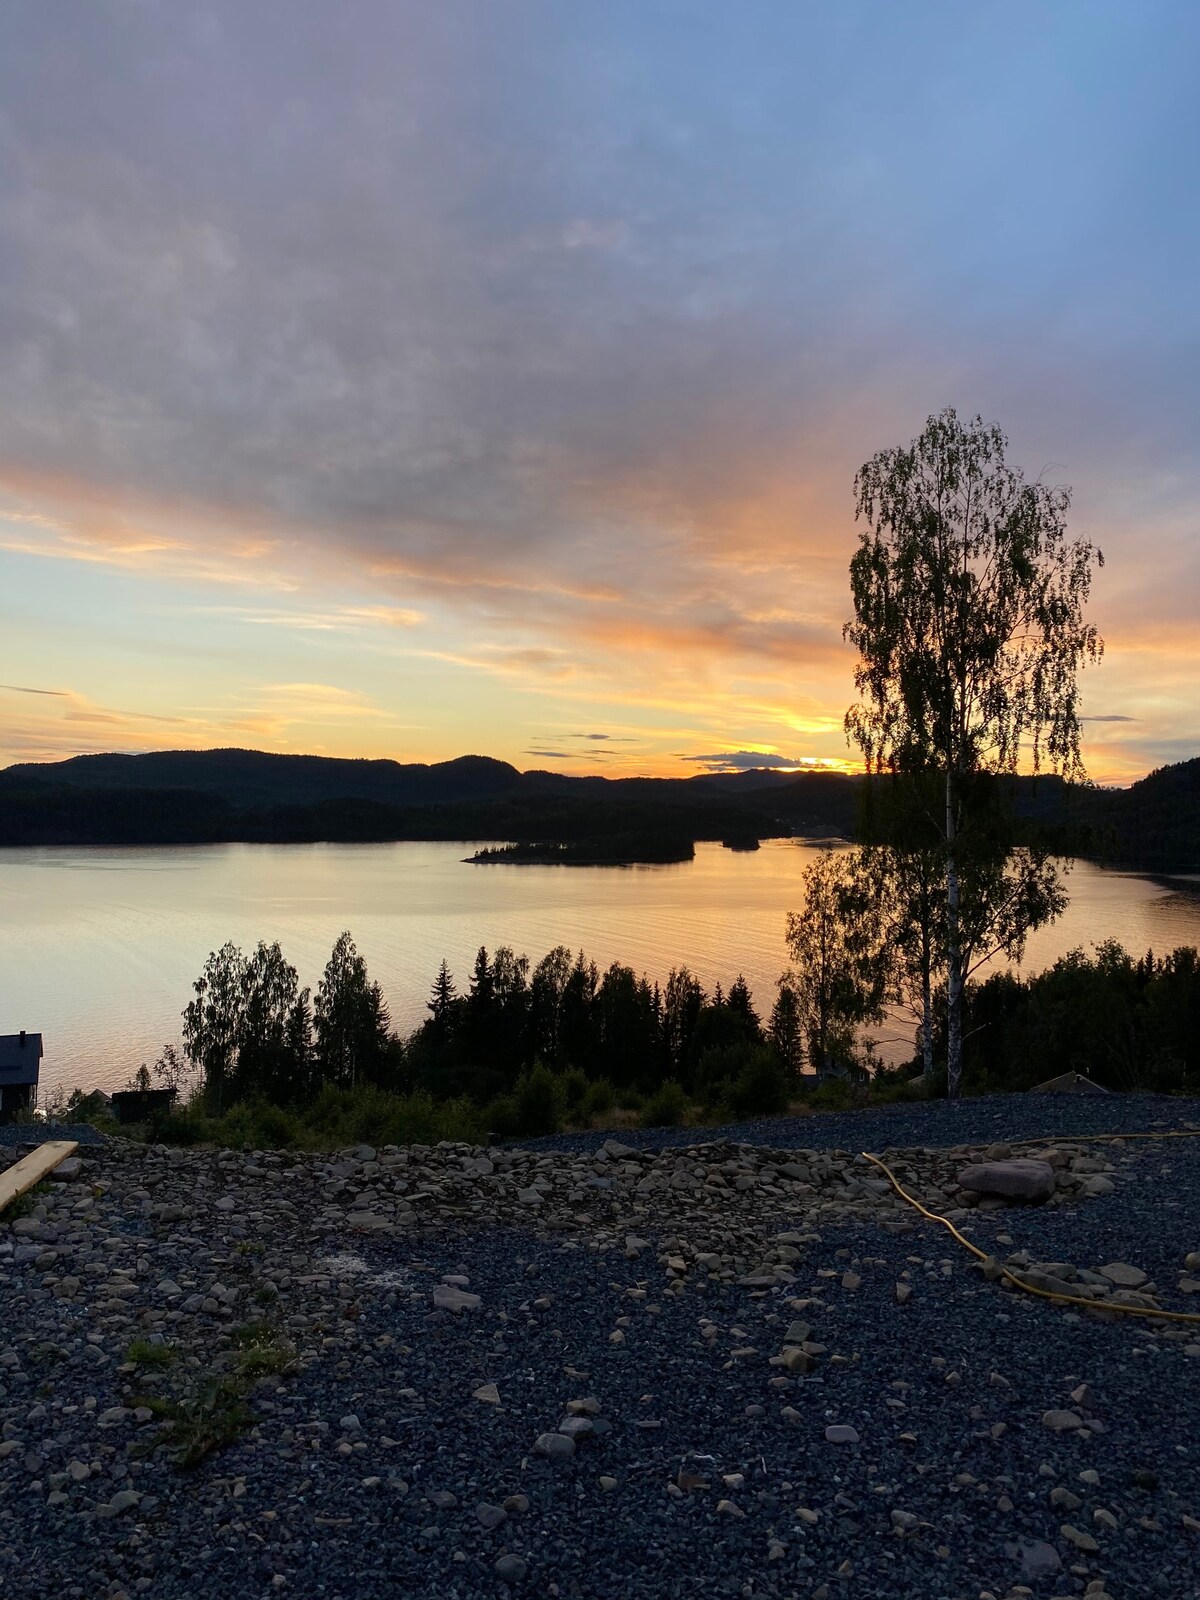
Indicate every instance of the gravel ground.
{"type": "Point", "coordinates": [376, 1464]}
{"type": "Point", "coordinates": [13, 1134]}
{"type": "Point", "coordinates": [978, 1120]}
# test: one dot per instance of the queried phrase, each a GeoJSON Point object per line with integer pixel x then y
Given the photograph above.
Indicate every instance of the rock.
{"type": "Point", "coordinates": [442, 1500]}
{"type": "Point", "coordinates": [577, 1427]}
{"type": "Point", "coordinates": [606, 1483]}
{"type": "Point", "coordinates": [1123, 1275]}
{"type": "Point", "coordinates": [1192, 1261]}
{"type": "Point", "coordinates": [841, 1433]}
{"type": "Point", "coordinates": [1021, 1179]}
{"type": "Point", "coordinates": [448, 1298]}
{"type": "Point", "coordinates": [726, 1508]}
{"type": "Point", "coordinates": [903, 1293]}
{"type": "Point", "coordinates": [1038, 1559]}
{"type": "Point", "coordinates": [490, 1516]}
{"type": "Point", "coordinates": [851, 1280]}
{"type": "Point", "coordinates": [488, 1393]}
{"type": "Point", "coordinates": [67, 1171]}
{"type": "Point", "coordinates": [906, 1521]}
{"type": "Point", "coordinates": [511, 1568]}
{"type": "Point", "coordinates": [1062, 1421]}
{"type": "Point", "coordinates": [555, 1446]}
{"type": "Point", "coordinates": [1077, 1537]}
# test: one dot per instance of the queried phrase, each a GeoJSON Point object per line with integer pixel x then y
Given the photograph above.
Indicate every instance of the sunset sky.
{"type": "Point", "coordinates": [409, 379]}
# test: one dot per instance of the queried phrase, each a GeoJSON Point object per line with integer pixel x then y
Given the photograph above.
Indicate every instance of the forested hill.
{"type": "Point", "coordinates": [218, 795]}
{"type": "Point", "coordinates": [198, 796]}
{"type": "Point", "coordinates": [1154, 824]}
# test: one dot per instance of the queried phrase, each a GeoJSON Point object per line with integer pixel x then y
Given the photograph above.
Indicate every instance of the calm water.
{"type": "Point", "coordinates": [99, 948]}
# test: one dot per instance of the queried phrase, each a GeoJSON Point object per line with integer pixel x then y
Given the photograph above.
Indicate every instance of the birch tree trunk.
{"type": "Point", "coordinates": [954, 973]}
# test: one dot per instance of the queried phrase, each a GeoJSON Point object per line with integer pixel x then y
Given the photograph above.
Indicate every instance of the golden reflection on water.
{"type": "Point", "coordinates": [99, 948]}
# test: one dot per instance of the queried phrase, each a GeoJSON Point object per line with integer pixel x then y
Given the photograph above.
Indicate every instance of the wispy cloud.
{"type": "Point", "coordinates": [752, 760]}
{"type": "Point", "coordinates": [564, 374]}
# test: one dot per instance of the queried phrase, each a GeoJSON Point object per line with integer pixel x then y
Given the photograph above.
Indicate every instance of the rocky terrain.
{"type": "Point", "coordinates": [725, 1369]}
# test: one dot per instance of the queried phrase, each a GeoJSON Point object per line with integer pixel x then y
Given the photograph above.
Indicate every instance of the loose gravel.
{"type": "Point", "coordinates": [14, 1134]}
{"type": "Point", "coordinates": [978, 1120]}
{"type": "Point", "coordinates": [682, 1372]}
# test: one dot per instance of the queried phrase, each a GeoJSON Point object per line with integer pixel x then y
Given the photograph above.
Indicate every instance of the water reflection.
{"type": "Point", "coordinates": [98, 948]}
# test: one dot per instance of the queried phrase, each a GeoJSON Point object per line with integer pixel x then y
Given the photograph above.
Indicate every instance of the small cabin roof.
{"type": "Point", "coordinates": [19, 1057]}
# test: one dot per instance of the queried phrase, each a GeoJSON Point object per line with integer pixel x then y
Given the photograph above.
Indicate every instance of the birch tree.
{"type": "Point", "coordinates": [968, 621]}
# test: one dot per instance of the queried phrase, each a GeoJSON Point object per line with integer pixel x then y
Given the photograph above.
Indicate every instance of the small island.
{"type": "Point", "coordinates": [614, 850]}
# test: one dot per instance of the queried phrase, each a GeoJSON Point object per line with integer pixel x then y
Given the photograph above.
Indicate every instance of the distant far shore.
{"type": "Point", "coordinates": [254, 797]}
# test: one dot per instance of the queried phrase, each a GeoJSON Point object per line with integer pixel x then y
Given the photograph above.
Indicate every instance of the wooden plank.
{"type": "Point", "coordinates": [31, 1169]}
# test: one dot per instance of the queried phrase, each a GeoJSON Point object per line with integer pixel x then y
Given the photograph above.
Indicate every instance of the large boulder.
{"type": "Point", "coordinates": [1019, 1179]}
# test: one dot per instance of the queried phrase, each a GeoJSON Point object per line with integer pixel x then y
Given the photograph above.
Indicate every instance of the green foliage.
{"type": "Point", "coordinates": [842, 962]}
{"type": "Point", "coordinates": [202, 1423]}
{"type": "Point", "coordinates": [667, 1107]}
{"type": "Point", "coordinates": [762, 1087]}
{"type": "Point", "coordinates": [1125, 1023]}
{"type": "Point", "coordinates": [156, 1357]}
{"type": "Point", "coordinates": [574, 1087]}
{"type": "Point", "coordinates": [24, 1204]}
{"type": "Point", "coordinates": [539, 1101]}
{"type": "Point", "coordinates": [599, 1099]}
{"type": "Point", "coordinates": [833, 1094]}
{"type": "Point", "coordinates": [968, 622]}
{"type": "Point", "coordinates": [350, 1020]}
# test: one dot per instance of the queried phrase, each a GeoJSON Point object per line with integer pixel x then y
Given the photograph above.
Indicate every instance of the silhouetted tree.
{"type": "Point", "coordinates": [784, 1029]}
{"type": "Point", "coordinates": [350, 1020]}
{"type": "Point", "coordinates": [841, 966]}
{"type": "Point", "coordinates": [739, 999]}
{"type": "Point", "coordinates": [968, 621]}
{"type": "Point", "coordinates": [273, 1038]}
{"type": "Point", "coordinates": [212, 1022]}
{"type": "Point", "coordinates": [681, 1007]}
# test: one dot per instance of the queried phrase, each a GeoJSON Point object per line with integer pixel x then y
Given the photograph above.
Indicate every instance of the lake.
{"type": "Point", "coordinates": [99, 947]}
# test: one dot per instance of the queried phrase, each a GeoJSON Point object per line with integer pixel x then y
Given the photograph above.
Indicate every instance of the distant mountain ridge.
{"type": "Point", "coordinates": [195, 796]}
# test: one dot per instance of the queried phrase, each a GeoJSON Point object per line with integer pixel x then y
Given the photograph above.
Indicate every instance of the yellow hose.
{"type": "Point", "coordinates": [1019, 1283]}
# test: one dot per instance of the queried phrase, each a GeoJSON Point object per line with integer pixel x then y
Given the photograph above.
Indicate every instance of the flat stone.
{"type": "Point", "coordinates": [1123, 1275]}
{"type": "Point", "coordinates": [448, 1298]}
{"type": "Point", "coordinates": [1038, 1559]}
{"type": "Point", "coordinates": [511, 1568]}
{"type": "Point", "coordinates": [1062, 1421]}
{"type": "Point", "coordinates": [1076, 1536]}
{"type": "Point", "coordinates": [841, 1433]}
{"type": "Point", "coordinates": [488, 1393]}
{"type": "Point", "coordinates": [1020, 1179]}
{"type": "Point", "coordinates": [555, 1446]}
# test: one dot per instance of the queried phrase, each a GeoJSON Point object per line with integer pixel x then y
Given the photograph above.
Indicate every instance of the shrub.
{"type": "Point", "coordinates": [630, 1099]}
{"type": "Point", "coordinates": [666, 1108]}
{"type": "Point", "coordinates": [834, 1094]}
{"type": "Point", "coordinates": [761, 1088]}
{"type": "Point", "coordinates": [539, 1102]}
{"type": "Point", "coordinates": [600, 1098]}
{"type": "Point", "coordinates": [573, 1085]}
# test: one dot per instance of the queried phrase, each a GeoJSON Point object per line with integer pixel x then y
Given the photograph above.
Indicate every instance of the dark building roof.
{"type": "Point", "coordinates": [19, 1057]}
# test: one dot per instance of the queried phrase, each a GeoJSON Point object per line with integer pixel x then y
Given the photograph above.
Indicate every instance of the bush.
{"type": "Point", "coordinates": [666, 1108]}
{"type": "Point", "coordinates": [629, 1099]}
{"type": "Point", "coordinates": [538, 1098]}
{"type": "Point", "coordinates": [600, 1098]}
{"type": "Point", "coordinates": [834, 1094]}
{"type": "Point", "coordinates": [574, 1088]}
{"type": "Point", "coordinates": [762, 1087]}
